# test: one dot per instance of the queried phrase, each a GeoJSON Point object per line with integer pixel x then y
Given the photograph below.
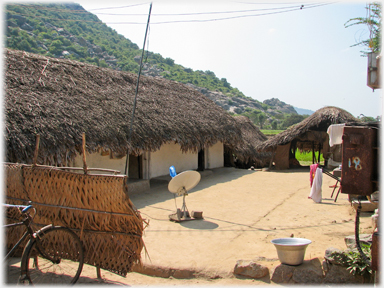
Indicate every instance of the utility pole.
{"type": "Point", "coordinates": [137, 89]}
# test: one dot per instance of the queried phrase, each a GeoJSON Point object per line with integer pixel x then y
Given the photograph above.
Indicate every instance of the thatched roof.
{"type": "Point", "coordinates": [318, 122]}
{"type": "Point", "coordinates": [60, 99]}
{"type": "Point", "coordinates": [251, 136]}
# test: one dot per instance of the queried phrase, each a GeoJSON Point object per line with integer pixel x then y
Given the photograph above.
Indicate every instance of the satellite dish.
{"type": "Point", "coordinates": [180, 185]}
{"type": "Point", "coordinates": [184, 182]}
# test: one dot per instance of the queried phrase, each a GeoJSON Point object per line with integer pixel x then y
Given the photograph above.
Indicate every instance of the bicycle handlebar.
{"type": "Point", "coordinates": [25, 207]}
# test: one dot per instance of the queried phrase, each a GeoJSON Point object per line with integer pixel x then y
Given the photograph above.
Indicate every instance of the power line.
{"type": "Point", "coordinates": [270, 3]}
{"type": "Point", "coordinates": [302, 7]}
{"type": "Point", "coordinates": [121, 7]}
{"type": "Point", "coordinates": [44, 7]}
{"type": "Point", "coordinates": [227, 18]}
{"type": "Point", "coordinates": [203, 13]}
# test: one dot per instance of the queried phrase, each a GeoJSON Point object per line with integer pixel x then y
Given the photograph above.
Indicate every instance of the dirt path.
{"type": "Point", "coordinates": [243, 211]}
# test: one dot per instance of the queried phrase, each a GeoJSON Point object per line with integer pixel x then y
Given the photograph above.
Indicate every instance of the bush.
{"type": "Point", "coordinates": [356, 263]}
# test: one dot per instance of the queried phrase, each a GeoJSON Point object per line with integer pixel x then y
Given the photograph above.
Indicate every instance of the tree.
{"type": "Point", "coordinates": [274, 125]}
{"type": "Point", "coordinates": [291, 120]}
{"type": "Point", "coordinates": [373, 20]}
{"type": "Point", "coordinates": [261, 117]}
{"type": "Point", "coordinates": [364, 118]}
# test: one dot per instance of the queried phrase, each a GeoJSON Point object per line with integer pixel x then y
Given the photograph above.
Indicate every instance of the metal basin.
{"type": "Point", "coordinates": [291, 251]}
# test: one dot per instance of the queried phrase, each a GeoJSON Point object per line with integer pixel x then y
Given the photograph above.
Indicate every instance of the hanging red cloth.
{"type": "Point", "coordinates": [312, 172]}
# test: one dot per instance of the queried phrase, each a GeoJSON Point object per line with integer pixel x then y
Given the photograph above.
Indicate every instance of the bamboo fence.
{"type": "Point", "coordinates": [96, 207]}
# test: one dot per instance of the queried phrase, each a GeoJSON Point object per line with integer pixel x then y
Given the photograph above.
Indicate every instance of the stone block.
{"type": "Point", "coordinates": [250, 269]}
{"type": "Point", "coordinates": [337, 274]}
{"type": "Point", "coordinates": [351, 242]}
{"type": "Point", "coordinates": [310, 272]}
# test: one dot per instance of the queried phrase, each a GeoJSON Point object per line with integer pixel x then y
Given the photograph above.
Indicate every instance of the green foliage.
{"type": "Point", "coordinates": [261, 117]}
{"type": "Point", "coordinates": [253, 115]}
{"type": "Point", "coordinates": [356, 263]}
{"type": "Point", "coordinates": [373, 21]}
{"type": "Point", "coordinates": [274, 125]}
{"type": "Point", "coordinates": [366, 118]}
{"type": "Point", "coordinates": [292, 119]}
{"type": "Point", "coordinates": [265, 106]}
{"type": "Point", "coordinates": [305, 158]}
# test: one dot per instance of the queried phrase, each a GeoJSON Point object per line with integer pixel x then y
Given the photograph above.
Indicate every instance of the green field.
{"type": "Point", "coordinates": [305, 159]}
{"type": "Point", "coordinates": [271, 132]}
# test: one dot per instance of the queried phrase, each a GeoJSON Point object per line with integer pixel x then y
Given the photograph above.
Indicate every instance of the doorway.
{"type": "Point", "coordinates": [201, 160]}
{"type": "Point", "coordinates": [135, 170]}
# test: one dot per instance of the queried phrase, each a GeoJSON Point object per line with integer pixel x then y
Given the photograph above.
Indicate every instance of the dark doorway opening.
{"type": "Point", "coordinates": [135, 167]}
{"type": "Point", "coordinates": [201, 160]}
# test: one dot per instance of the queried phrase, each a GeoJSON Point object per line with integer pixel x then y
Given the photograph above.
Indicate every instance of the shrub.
{"type": "Point", "coordinates": [356, 263]}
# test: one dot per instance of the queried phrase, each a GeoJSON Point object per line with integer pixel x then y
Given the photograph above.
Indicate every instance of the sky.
{"type": "Point", "coordinates": [301, 56]}
{"type": "Point", "coordinates": [272, 50]}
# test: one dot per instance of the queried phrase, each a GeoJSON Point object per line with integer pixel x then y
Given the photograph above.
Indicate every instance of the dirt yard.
{"type": "Point", "coordinates": [243, 211]}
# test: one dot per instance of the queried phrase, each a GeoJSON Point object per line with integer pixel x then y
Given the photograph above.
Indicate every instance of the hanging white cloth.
{"type": "Point", "coordinates": [335, 133]}
{"type": "Point", "coordinates": [316, 192]}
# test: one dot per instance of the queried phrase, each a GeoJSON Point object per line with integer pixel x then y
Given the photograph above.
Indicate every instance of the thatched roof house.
{"type": "Point", "coordinates": [245, 150]}
{"type": "Point", "coordinates": [60, 99]}
{"type": "Point", "coordinates": [308, 135]}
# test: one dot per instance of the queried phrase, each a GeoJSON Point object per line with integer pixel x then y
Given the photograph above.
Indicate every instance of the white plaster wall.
{"type": "Point", "coordinates": [215, 156]}
{"type": "Point", "coordinates": [170, 155]}
{"type": "Point", "coordinates": [157, 163]}
{"type": "Point", "coordinates": [95, 160]}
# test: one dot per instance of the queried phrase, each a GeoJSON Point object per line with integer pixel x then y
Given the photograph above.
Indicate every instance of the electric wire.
{"type": "Point", "coordinates": [180, 21]}
{"type": "Point", "coordinates": [168, 14]}
{"type": "Point", "coordinates": [229, 18]}
{"type": "Point", "coordinates": [42, 7]}
{"type": "Point", "coordinates": [204, 13]}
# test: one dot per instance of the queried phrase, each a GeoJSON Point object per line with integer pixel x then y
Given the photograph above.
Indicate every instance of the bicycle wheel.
{"type": "Point", "coordinates": [55, 256]}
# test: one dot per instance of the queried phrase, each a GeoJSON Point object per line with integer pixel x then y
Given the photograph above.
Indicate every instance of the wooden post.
{"type": "Point", "coordinates": [273, 156]}
{"type": "Point", "coordinates": [98, 273]}
{"type": "Point", "coordinates": [84, 159]}
{"type": "Point", "coordinates": [36, 150]}
{"type": "Point", "coordinates": [313, 153]}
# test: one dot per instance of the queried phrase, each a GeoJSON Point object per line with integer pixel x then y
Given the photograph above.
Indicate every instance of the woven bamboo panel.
{"type": "Point", "coordinates": [96, 207]}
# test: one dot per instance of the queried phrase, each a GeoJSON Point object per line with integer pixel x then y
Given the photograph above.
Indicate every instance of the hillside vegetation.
{"type": "Point", "coordinates": [69, 31]}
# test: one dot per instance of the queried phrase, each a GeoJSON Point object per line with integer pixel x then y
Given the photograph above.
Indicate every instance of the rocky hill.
{"type": "Point", "coordinates": [97, 44]}
{"type": "Point", "coordinates": [239, 105]}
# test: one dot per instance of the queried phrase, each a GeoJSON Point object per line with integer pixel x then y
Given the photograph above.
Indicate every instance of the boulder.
{"type": "Point", "coordinates": [337, 274]}
{"type": "Point", "coordinates": [26, 26]}
{"type": "Point", "coordinates": [310, 272]}
{"type": "Point", "coordinates": [335, 256]}
{"type": "Point", "coordinates": [11, 24]}
{"type": "Point", "coordinates": [364, 238]}
{"type": "Point", "coordinates": [250, 269]}
{"type": "Point", "coordinates": [283, 273]}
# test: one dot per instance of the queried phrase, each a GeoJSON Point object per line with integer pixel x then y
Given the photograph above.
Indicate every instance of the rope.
{"type": "Point", "coordinates": [357, 222]}
{"type": "Point", "coordinates": [78, 209]}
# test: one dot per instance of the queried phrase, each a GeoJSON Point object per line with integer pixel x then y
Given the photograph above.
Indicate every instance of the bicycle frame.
{"type": "Point", "coordinates": [36, 241]}
{"type": "Point", "coordinates": [29, 232]}
{"type": "Point", "coordinates": [26, 222]}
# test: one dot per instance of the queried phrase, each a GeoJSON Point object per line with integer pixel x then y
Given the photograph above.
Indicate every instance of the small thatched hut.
{"type": "Point", "coordinates": [60, 99]}
{"type": "Point", "coordinates": [245, 152]}
{"type": "Point", "coordinates": [308, 135]}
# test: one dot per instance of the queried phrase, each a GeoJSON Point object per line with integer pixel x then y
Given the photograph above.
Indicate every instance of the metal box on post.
{"type": "Point", "coordinates": [359, 174]}
{"type": "Point", "coordinates": [373, 75]}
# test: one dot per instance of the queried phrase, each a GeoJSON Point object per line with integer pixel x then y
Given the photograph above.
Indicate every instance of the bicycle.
{"type": "Point", "coordinates": [53, 254]}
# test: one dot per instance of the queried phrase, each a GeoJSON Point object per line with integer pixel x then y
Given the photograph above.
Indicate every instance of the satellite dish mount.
{"type": "Point", "coordinates": [180, 184]}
